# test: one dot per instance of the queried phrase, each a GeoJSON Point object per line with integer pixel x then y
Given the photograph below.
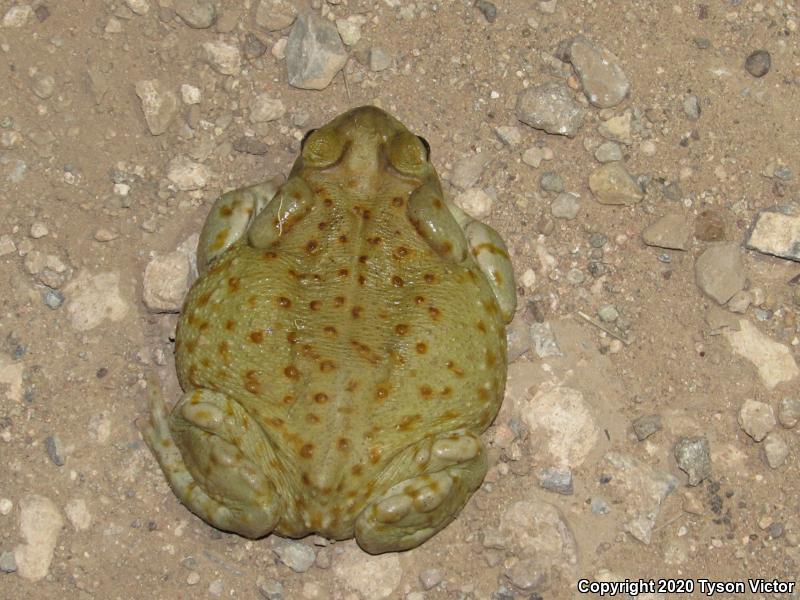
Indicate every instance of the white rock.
{"type": "Point", "coordinates": [374, 577]}
{"type": "Point", "coordinates": [39, 230]}
{"type": "Point", "coordinates": [190, 94]}
{"type": "Point", "coordinates": [40, 522]}
{"type": "Point", "coordinates": [166, 281]}
{"type": "Point", "coordinates": [299, 557]}
{"type": "Point", "coordinates": [223, 58]}
{"type": "Point", "coordinates": [77, 514]}
{"type": "Point", "coordinates": [159, 104]}
{"type": "Point", "coordinates": [777, 234]}
{"type": "Point", "coordinates": [476, 202]}
{"type": "Point", "coordinates": [7, 245]}
{"type": "Point", "coordinates": [139, 7]}
{"type": "Point", "coordinates": [756, 419]}
{"type": "Point", "coordinates": [562, 424]}
{"type": "Point", "coordinates": [11, 378]}
{"type": "Point", "coordinates": [92, 299]}
{"type": "Point", "coordinates": [186, 174]}
{"type": "Point", "coordinates": [528, 279]}
{"type": "Point", "coordinates": [264, 109]}
{"type": "Point", "coordinates": [17, 16]}
{"type": "Point", "coordinates": [350, 29]}
{"type": "Point", "coordinates": [100, 427]}
{"type": "Point", "coordinates": [774, 361]}
{"type": "Point", "coordinates": [776, 450]}
{"type": "Point", "coordinates": [468, 170]}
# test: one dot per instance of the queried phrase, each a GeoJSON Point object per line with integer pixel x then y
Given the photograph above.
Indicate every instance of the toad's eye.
{"type": "Point", "coordinates": [408, 154]}
{"type": "Point", "coordinates": [305, 138]}
{"type": "Point", "coordinates": [322, 147]}
{"type": "Point", "coordinates": [427, 147]}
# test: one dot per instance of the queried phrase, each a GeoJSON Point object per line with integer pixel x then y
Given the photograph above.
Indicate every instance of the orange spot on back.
{"type": "Point", "coordinates": [320, 398]}
{"type": "Point", "coordinates": [307, 451]}
{"type": "Point", "coordinates": [256, 337]}
{"type": "Point", "coordinates": [291, 372]}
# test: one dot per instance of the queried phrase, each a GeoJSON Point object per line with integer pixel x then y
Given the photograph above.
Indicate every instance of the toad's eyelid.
{"type": "Point", "coordinates": [308, 134]}
{"type": "Point", "coordinates": [427, 147]}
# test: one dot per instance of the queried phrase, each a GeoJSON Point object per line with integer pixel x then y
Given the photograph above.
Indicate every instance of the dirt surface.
{"type": "Point", "coordinates": [86, 203]}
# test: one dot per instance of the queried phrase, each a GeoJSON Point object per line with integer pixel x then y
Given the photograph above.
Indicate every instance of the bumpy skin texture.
{"type": "Point", "coordinates": [342, 349]}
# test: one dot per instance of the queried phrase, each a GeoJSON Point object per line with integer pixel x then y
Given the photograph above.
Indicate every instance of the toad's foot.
{"type": "Point", "coordinates": [413, 510]}
{"type": "Point", "coordinates": [205, 448]}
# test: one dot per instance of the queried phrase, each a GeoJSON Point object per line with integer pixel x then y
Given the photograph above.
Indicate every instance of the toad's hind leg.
{"type": "Point", "coordinates": [206, 448]}
{"type": "Point", "coordinates": [445, 470]}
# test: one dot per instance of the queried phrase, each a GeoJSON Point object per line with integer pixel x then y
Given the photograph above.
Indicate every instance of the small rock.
{"type": "Point", "coordinates": [646, 426]}
{"type": "Point", "coordinates": [776, 450]}
{"type": "Point", "coordinates": [550, 107]}
{"type": "Point", "coordinates": [789, 412]}
{"type": "Point", "coordinates": [710, 226]}
{"type": "Point", "coordinates": [608, 152]}
{"type": "Point", "coordinates": [274, 15]}
{"type": "Point", "coordinates": [551, 182]}
{"type": "Point", "coordinates": [264, 109]}
{"type": "Point", "coordinates": [612, 184]}
{"type": "Point", "coordinates": [186, 174]}
{"type": "Point", "coordinates": [298, 556]}
{"type": "Point", "coordinates": [159, 104]}
{"type": "Point", "coordinates": [740, 302]}
{"type": "Point", "coordinates": [756, 419]}
{"type": "Point", "coordinates": [670, 231]}
{"type": "Point", "coordinates": [166, 281]}
{"type": "Point", "coordinates": [534, 156]}
{"type": "Point", "coordinates": [604, 82]}
{"type": "Point", "coordinates": [43, 86]}
{"type": "Point", "coordinates": [190, 94]}
{"type": "Point", "coordinates": [758, 63]}
{"type": "Point", "coordinates": [139, 7]}
{"type": "Point", "coordinates": [608, 313]}
{"type": "Point", "coordinates": [197, 14]}
{"type": "Point", "coordinates": [600, 506]}
{"type": "Point", "coordinates": [249, 145]}
{"type": "Point", "coordinates": [558, 480]}
{"type": "Point", "coordinates": [349, 30]}
{"type": "Point", "coordinates": [528, 574]}
{"type": "Point", "coordinates": [543, 341]}
{"type": "Point", "coordinates": [374, 577]}
{"type": "Point", "coordinates": [488, 10]}
{"type": "Point", "coordinates": [777, 234]}
{"type": "Point", "coordinates": [314, 53]}
{"type": "Point", "coordinates": [269, 589]}
{"type": "Point", "coordinates": [691, 107]}
{"type": "Point", "coordinates": [105, 235]}
{"type": "Point", "coordinates": [719, 271]}
{"type": "Point", "coordinates": [224, 58]}
{"type": "Point", "coordinates": [17, 16]}
{"type": "Point", "coordinates": [617, 129]}
{"type": "Point", "coordinates": [7, 245]}
{"type": "Point", "coordinates": [565, 206]}
{"type": "Point", "coordinates": [430, 578]}
{"type": "Point", "coordinates": [5, 506]}
{"type": "Point", "coordinates": [773, 360]}
{"type": "Point", "coordinates": [469, 169]}
{"type": "Point", "coordinates": [253, 46]}
{"type": "Point", "coordinates": [476, 202]}
{"type": "Point", "coordinates": [77, 514]}
{"type": "Point", "coordinates": [94, 299]}
{"type": "Point", "coordinates": [693, 457]}
{"type": "Point", "coordinates": [509, 135]}
{"type": "Point", "coordinates": [39, 230]}
{"type": "Point", "coordinates": [55, 450]}
{"type": "Point", "coordinates": [379, 59]}
{"type": "Point", "coordinates": [40, 523]}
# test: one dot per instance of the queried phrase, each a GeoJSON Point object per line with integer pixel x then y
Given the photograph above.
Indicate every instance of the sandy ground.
{"type": "Point", "coordinates": [86, 201]}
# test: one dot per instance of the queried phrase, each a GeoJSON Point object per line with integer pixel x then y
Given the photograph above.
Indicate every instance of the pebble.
{"type": "Point", "coordinates": [193, 578]}
{"type": "Point", "coordinates": [105, 235]}
{"type": "Point", "coordinates": [224, 58]}
{"type": "Point", "coordinates": [550, 107]}
{"type": "Point", "coordinates": [298, 556]}
{"type": "Point", "coordinates": [314, 53]}
{"type": "Point", "coordinates": [216, 587]}
{"type": "Point", "coordinates": [165, 283]}
{"type": "Point", "coordinates": [608, 313]}
{"type": "Point", "coordinates": [612, 184]}
{"type": "Point", "coordinates": [374, 577]}
{"type": "Point", "coordinates": [349, 30]}
{"type": "Point", "coordinates": [7, 245]}
{"type": "Point", "coordinates": [789, 412]}
{"type": "Point", "coordinates": [608, 152]}
{"type": "Point", "coordinates": [139, 7]}
{"type": "Point", "coordinates": [719, 271]}
{"type": "Point", "coordinates": [740, 302]}
{"type": "Point", "coordinates": [250, 145]}
{"type": "Point", "coordinates": [774, 361]}
{"type": "Point", "coordinates": [602, 78]}
{"type": "Point", "coordinates": [94, 299]}
{"type": "Point", "coordinates": [43, 86]}
{"type": "Point", "coordinates": [269, 589]}
{"type": "Point", "coordinates": [551, 182]}
{"type": "Point", "coordinates": [468, 170]}
{"type": "Point", "coordinates": [777, 234]}
{"type": "Point", "coordinates": [575, 276]}
{"type": "Point", "coordinates": [528, 575]}
{"type": "Point", "coordinates": [379, 59]}
{"type": "Point", "coordinates": [159, 104]}
{"type": "Point", "coordinates": [534, 156]}
{"type": "Point", "coordinates": [190, 94]}
{"type": "Point", "coordinates": [558, 480]}
{"type": "Point", "coordinates": [40, 522]}
{"type": "Point", "coordinates": [488, 10]}
{"type": "Point", "coordinates": [617, 129]}
{"type": "Point", "coordinates": [758, 63]}
{"type": "Point", "coordinates": [646, 426]}
{"type": "Point", "coordinates": [197, 14]}
{"type": "Point", "coordinates": [691, 107]}
{"type": "Point", "coordinates": [693, 457]}
{"type": "Point", "coordinates": [670, 231]}
{"type": "Point", "coordinates": [55, 450]}
{"type": "Point", "coordinates": [8, 563]}
{"type": "Point", "coordinates": [430, 578]}
{"type": "Point", "coordinates": [475, 202]}
{"type": "Point", "coordinates": [776, 450]}
{"type": "Point", "coordinates": [5, 506]}
{"type": "Point", "coordinates": [756, 419]}
{"type": "Point", "coordinates": [274, 15]}
{"type": "Point", "coordinates": [509, 135]}
{"type": "Point", "coordinates": [17, 16]}
{"type": "Point", "coordinates": [38, 230]}
{"type": "Point", "coordinates": [600, 506]}
{"type": "Point", "coordinates": [565, 206]}
{"type": "Point", "coordinates": [253, 47]}
{"type": "Point", "coordinates": [186, 174]}
{"type": "Point", "coordinates": [263, 109]}
{"type": "Point", "coordinates": [78, 514]}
